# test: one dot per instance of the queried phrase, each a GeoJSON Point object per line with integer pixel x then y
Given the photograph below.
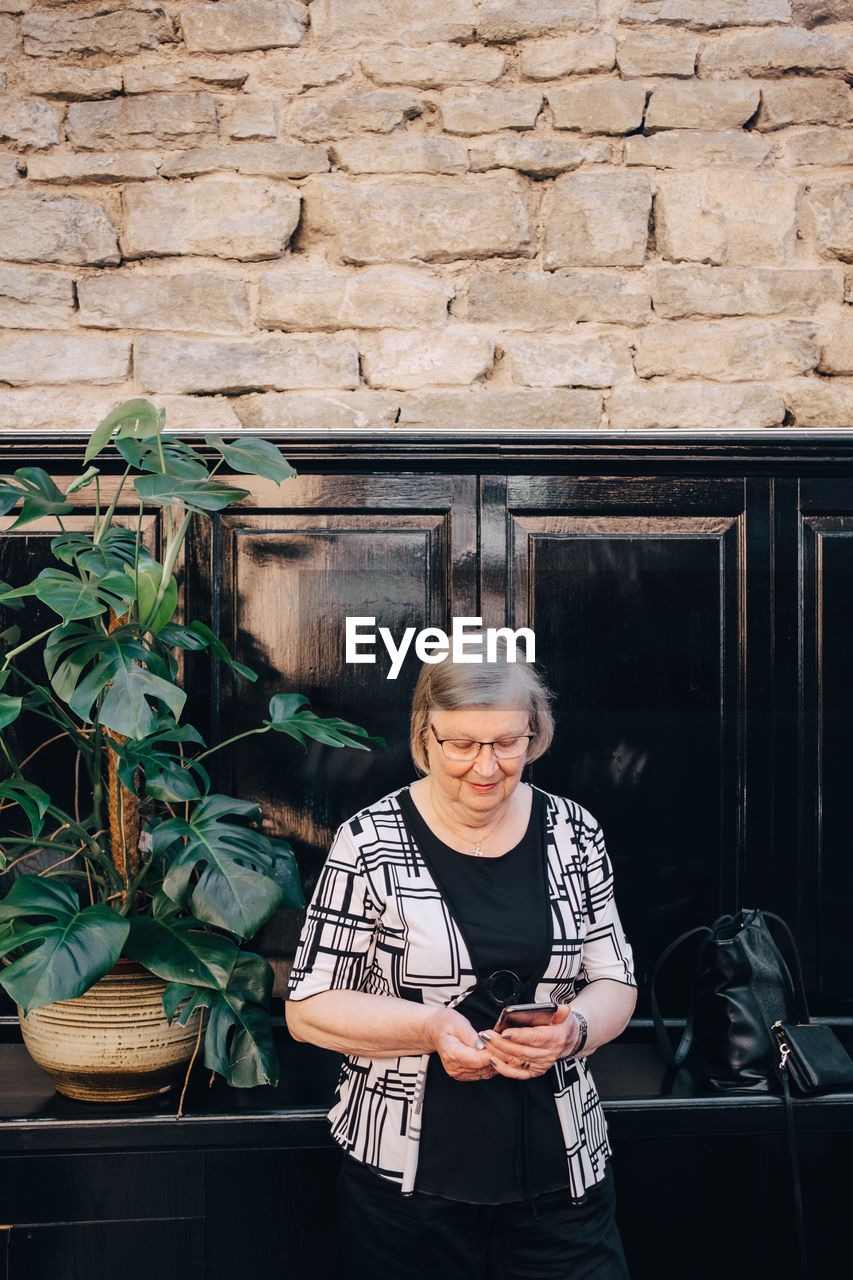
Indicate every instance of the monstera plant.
{"type": "Point", "coordinates": [144, 861]}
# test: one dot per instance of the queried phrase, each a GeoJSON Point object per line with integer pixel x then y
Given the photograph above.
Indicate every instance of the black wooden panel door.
{"type": "Point", "coordinates": [287, 574]}
{"type": "Point", "coordinates": [636, 594]}
{"type": "Point", "coordinates": [825, 715]}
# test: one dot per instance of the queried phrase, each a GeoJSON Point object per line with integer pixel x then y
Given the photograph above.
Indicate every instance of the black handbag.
{"type": "Point", "coordinates": [748, 1029]}
{"type": "Point", "coordinates": [742, 984]}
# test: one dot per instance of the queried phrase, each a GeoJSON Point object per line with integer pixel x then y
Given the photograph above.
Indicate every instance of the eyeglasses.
{"type": "Point", "coordinates": [464, 749]}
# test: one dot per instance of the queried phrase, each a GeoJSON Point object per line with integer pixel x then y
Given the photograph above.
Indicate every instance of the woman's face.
{"type": "Point", "coordinates": [481, 785]}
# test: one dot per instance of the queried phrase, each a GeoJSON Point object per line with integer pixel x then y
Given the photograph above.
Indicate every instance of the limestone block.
{"type": "Point", "coordinates": [811, 12]}
{"type": "Point", "coordinates": [30, 359]}
{"type": "Point", "coordinates": [515, 19]}
{"type": "Point", "coordinates": [305, 411]}
{"type": "Point", "coordinates": [249, 219]}
{"type": "Point", "coordinates": [736, 291]}
{"type": "Point", "coordinates": [262, 159]}
{"type": "Point", "coordinates": [708, 13]}
{"type": "Point", "coordinates": [73, 84]}
{"type": "Point", "coordinates": [35, 299]}
{"type": "Point", "coordinates": [804, 101]}
{"type": "Point", "coordinates": [485, 110]}
{"type": "Point", "coordinates": [598, 219]}
{"type": "Point", "coordinates": [9, 176]}
{"type": "Point", "coordinates": [372, 298]}
{"type": "Point", "coordinates": [253, 118]}
{"type": "Point", "coordinates": [711, 217]}
{"type": "Point", "coordinates": [346, 24]}
{"type": "Point", "coordinates": [408, 361]}
{"type": "Point", "coordinates": [36, 228]}
{"type": "Point", "coordinates": [231, 27]}
{"type": "Point", "coordinates": [9, 37]}
{"type": "Point", "coordinates": [192, 301]}
{"type": "Point", "coordinates": [836, 346]}
{"type": "Point", "coordinates": [497, 410]}
{"type": "Point", "coordinates": [693, 149]}
{"type": "Point", "coordinates": [726, 350]}
{"type": "Point", "coordinates": [598, 106]}
{"type": "Point", "coordinates": [590, 360]}
{"type": "Point", "coordinates": [819, 402]}
{"type": "Point", "coordinates": [433, 67]}
{"type": "Point", "coordinates": [402, 153]}
{"type": "Point", "coordinates": [751, 53]}
{"type": "Point", "coordinates": [540, 157]}
{"type": "Point", "coordinates": [42, 409]}
{"type": "Point", "coordinates": [292, 70]}
{"type": "Point", "coordinates": [708, 104]}
{"type": "Point", "coordinates": [817, 147]}
{"type": "Point", "coordinates": [338, 115]}
{"type": "Point", "coordinates": [187, 76]}
{"type": "Point", "coordinates": [181, 366]}
{"type": "Point", "coordinates": [532, 302]}
{"type": "Point", "coordinates": [551, 59]}
{"type": "Point", "coordinates": [697, 406]}
{"type": "Point", "coordinates": [120, 30]}
{"type": "Point", "coordinates": [830, 207]}
{"type": "Point", "coordinates": [29, 123]}
{"type": "Point", "coordinates": [208, 413]}
{"type": "Point", "coordinates": [145, 120]}
{"type": "Point", "coordinates": [652, 55]}
{"type": "Point", "coordinates": [93, 166]}
{"type": "Point", "coordinates": [429, 219]}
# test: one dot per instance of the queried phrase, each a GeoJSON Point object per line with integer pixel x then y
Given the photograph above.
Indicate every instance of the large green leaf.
{"type": "Point", "coordinates": [198, 636]}
{"type": "Point", "coordinates": [66, 949]}
{"type": "Point", "coordinates": [227, 875]}
{"type": "Point", "coordinates": [114, 668]}
{"type": "Point", "coordinates": [39, 494]}
{"type": "Point", "coordinates": [115, 548]}
{"type": "Point", "coordinates": [168, 775]}
{"type": "Point", "coordinates": [195, 495]}
{"type": "Point", "coordinates": [253, 457]}
{"type": "Point", "coordinates": [178, 950]}
{"type": "Point", "coordinates": [136, 418]}
{"type": "Point", "coordinates": [73, 597]}
{"type": "Point", "coordinates": [238, 1041]}
{"type": "Point", "coordinates": [170, 457]}
{"type": "Point", "coordinates": [10, 709]}
{"type": "Point", "coordinates": [147, 577]}
{"type": "Point", "coordinates": [289, 716]}
{"type": "Point", "coordinates": [29, 797]}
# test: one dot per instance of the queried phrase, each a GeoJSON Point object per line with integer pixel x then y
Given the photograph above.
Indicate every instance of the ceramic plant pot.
{"type": "Point", "coordinates": [112, 1044]}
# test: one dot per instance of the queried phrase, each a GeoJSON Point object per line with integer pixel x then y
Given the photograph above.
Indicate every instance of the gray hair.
{"type": "Point", "coordinates": [453, 685]}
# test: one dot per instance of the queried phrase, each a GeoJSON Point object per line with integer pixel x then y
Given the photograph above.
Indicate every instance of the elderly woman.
{"type": "Point", "coordinates": [471, 1151]}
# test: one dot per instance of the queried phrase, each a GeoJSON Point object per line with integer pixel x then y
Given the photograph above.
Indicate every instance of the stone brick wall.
{"type": "Point", "coordinates": [428, 213]}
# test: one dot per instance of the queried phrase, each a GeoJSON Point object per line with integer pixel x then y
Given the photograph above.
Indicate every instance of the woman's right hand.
{"type": "Point", "coordinates": [463, 1054]}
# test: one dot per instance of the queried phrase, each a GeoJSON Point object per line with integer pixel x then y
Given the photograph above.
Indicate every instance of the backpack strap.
{"type": "Point", "coordinates": [801, 1010]}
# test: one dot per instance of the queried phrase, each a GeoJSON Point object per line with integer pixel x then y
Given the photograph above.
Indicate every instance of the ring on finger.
{"type": "Point", "coordinates": [524, 1064]}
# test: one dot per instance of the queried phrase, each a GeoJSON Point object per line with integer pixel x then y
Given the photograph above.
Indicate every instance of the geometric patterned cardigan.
{"type": "Point", "coordinates": [378, 923]}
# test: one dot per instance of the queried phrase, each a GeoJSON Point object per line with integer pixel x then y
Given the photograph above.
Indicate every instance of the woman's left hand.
{"type": "Point", "coordinates": [525, 1052]}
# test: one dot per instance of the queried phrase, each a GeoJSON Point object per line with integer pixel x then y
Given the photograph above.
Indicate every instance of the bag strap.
{"type": "Point", "coordinates": [791, 1136]}
{"type": "Point", "coordinates": [675, 1057]}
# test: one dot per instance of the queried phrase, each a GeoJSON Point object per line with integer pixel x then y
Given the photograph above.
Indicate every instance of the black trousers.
{"type": "Point", "coordinates": [424, 1237]}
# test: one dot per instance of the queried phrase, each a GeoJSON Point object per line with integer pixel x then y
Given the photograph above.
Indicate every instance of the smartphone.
{"type": "Point", "coordinates": [525, 1015]}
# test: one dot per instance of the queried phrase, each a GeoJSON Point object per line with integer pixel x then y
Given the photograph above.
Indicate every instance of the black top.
{"type": "Point", "coordinates": [498, 1140]}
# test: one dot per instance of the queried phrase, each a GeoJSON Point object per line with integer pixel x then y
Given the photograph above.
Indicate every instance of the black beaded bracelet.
{"type": "Point", "coordinates": [584, 1033]}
